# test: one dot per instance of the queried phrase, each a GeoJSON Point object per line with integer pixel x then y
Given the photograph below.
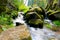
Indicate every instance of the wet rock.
{"type": "Point", "coordinates": [36, 23]}
{"type": "Point", "coordinates": [34, 17]}
{"type": "Point", "coordinates": [17, 33]}
{"type": "Point", "coordinates": [53, 15]}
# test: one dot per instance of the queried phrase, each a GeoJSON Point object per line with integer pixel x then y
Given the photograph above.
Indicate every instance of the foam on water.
{"type": "Point", "coordinates": [19, 18]}
{"type": "Point", "coordinates": [40, 34]}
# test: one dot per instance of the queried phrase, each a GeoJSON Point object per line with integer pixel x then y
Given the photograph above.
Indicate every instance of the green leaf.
{"type": "Point", "coordinates": [56, 22]}
{"type": "Point", "coordinates": [23, 8]}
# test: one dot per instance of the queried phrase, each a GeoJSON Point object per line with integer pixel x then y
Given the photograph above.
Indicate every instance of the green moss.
{"type": "Point", "coordinates": [52, 12]}
{"type": "Point", "coordinates": [36, 21]}
{"type": "Point", "coordinates": [48, 25]}
{"type": "Point", "coordinates": [29, 38]}
{"type": "Point", "coordinates": [57, 22]}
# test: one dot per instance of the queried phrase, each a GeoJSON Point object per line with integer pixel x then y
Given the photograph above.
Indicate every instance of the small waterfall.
{"type": "Point", "coordinates": [47, 19]}
{"type": "Point", "coordinates": [19, 19]}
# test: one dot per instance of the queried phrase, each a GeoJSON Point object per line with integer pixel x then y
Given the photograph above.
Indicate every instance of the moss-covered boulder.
{"type": "Point", "coordinates": [34, 17]}
{"type": "Point", "coordinates": [18, 33]}
{"type": "Point", "coordinates": [38, 10]}
{"type": "Point", "coordinates": [53, 10]}
{"type": "Point", "coordinates": [53, 15]}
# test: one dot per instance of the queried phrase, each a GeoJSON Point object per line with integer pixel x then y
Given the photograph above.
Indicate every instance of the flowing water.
{"type": "Point", "coordinates": [37, 34]}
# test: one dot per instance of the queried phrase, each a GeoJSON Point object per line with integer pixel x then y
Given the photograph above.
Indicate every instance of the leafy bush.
{"type": "Point", "coordinates": [57, 22]}
{"type": "Point", "coordinates": [6, 21]}
{"type": "Point", "coordinates": [19, 4]}
{"type": "Point", "coordinates": [10, 9]}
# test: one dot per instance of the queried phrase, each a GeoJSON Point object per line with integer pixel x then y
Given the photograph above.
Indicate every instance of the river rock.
{"type": "Point", "coordinates": [17, 33]}
{"type": "Point", "coordinates": [34, 17]}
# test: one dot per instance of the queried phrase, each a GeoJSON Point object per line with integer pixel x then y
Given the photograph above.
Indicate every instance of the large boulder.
{"type": "Point", "coordinates": [53, 10]}
{"type": "Point", "coordinates": [53, 15]}
{"type": "Point", "coordinates": [34, 17]}
{"type": "Point", "coordinates": [18, 33]}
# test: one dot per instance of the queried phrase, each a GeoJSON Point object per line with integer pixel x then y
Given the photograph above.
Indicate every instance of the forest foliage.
{"type": "Point", "coordinates": [10, 8]}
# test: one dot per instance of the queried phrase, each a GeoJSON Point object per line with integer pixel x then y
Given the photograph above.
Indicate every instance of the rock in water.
{"type": "Point", "coordinates": [34, 17]}
{"type": "Point", "coordinates": [17, 33]}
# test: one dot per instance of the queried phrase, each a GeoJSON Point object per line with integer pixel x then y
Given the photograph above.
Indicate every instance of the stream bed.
{"type": "Point", "coordinates": [43, 34]}
{"type": "Point", "coordinates": [40, 34]}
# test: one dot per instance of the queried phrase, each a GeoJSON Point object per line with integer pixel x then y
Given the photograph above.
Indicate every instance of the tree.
{"type": "Point", "coordinates": [2, 5]}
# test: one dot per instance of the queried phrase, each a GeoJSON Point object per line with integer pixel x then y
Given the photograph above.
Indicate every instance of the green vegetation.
{"type": "Point", "coordinates": [19, 4]}
{"type": "Point", "coordinates": [53, 12]}
{"type": "Point", "coordinates": [57, 22]}
{"type": "Point", "coordinates": [48, 25]}
{"type": "Point", "coordinates": [6, 21]}
{"type": "Point", "coordinates": [10, 8]}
